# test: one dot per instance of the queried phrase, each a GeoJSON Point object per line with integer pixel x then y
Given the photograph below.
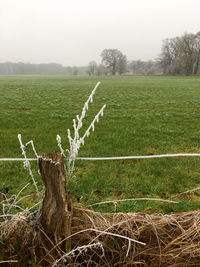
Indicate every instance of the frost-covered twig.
{"type": "Point", "coordinates": [58, 139]}
{"type": "Point", "coordinates": [37, 204]}
{"type": "Point", "coordinates": [5, 197]}
{"type": "Point", "coordinates": [26, 162]}
{"type": "Point", "coordinates": [189, 191]}
{"type": "Point", "coordinates": [132, 199]}
{"type": "Point", "coordinates": [15, 201]}
{"type": "Point", "coordinates": [80, 250]}
{"type": "Point", "coordinates": [12, 202]}
{"type": "Point", "coordinates": [112, 226]}
{"type": "Point", "coordinates": [7, 215]}
{"type": "Point", "coordinates": [33, 147]}
{"type": "Point", "coordinates": [96, 119]}
{"type": "Point", "coordinates": [97, 231]}
{"type": "Point", "coordinates": [17, 207]}
{"type": "Point", "coordinates": [76, 141]}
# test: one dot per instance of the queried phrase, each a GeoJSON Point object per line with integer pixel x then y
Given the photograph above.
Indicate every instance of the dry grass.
{"type": "Point", "coordinates": [171, 240]}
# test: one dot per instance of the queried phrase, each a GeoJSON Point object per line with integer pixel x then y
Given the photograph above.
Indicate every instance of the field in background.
{"type": "Point", "coordinates": [144, 116]}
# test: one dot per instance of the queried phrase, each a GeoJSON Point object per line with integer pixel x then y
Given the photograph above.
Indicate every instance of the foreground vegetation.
{"type": "Point", "coordinates": [144, 116]}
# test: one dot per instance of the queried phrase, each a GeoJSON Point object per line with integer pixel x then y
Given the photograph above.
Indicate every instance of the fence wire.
{"type": "Point", "coordinates": [116, 158]}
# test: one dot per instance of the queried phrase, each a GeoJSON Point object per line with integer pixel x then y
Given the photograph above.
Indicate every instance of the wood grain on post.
{"type": "Point", "coordinates": [56, 214]}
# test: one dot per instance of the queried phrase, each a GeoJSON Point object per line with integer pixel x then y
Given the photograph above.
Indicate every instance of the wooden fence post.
{"type": "Point", "coordinates": [56, 213]}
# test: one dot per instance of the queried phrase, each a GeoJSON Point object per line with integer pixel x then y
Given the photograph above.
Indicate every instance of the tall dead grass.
{"type": "Point", "coordinates": [171, 240]}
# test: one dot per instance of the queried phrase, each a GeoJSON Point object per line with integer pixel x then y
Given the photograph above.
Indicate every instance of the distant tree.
{"type": "Point", "coordinates": [122, 64]}
{"type": "Point", "coordinates": [197, 48]}
{"type": "Point", "coordinates": [68, 70]}
{"type": "Point", "coordinates": [101, 70]}
{"type": "Point", "coordinates": [74, 70]}
{"type": "Point", "coordinates": [181, 55]}
{"type": "Point", "coordinates": [138, 67]}
{"type": "Point", "coordinates": [92, 68]}
{"type": "Point", "coordinates": [187, 52]}
{"type": "Point", "coordinates": [114, 60]}
{"type": "Point", "coordinates": [166, 56]}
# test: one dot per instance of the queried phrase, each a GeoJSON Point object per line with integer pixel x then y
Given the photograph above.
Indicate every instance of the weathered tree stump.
{"type": "Point", "coordinates": [56, 213]}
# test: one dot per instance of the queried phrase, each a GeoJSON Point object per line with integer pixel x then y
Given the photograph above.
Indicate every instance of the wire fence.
{"type": "Point", "coordinates": [124, 158]}
{"type": "Point", "coordinates": [115, 158]}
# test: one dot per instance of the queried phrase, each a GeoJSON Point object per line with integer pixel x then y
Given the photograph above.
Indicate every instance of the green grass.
{"type": "Point", "coordinates": [144, 115]}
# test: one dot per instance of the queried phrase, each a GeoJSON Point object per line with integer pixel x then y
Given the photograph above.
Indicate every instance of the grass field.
{"type": "Point", "coordinates": [144, 116]}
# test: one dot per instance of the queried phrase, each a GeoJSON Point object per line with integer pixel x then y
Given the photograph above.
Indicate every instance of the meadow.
{"type": "Point", "coordinates": [144, 115]}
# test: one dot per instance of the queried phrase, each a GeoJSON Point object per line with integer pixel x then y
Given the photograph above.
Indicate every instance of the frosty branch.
{"type": "Point", "coordinates": [76, 141]}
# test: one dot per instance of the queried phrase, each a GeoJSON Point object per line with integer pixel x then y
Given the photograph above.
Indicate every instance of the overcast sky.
{"type": "Point", "coordinates": [74, 32]}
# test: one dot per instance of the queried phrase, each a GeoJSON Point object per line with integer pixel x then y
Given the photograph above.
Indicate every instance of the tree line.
{"type": "Point", "coordinates": [122, 66]}
{"type": "Point", "coordinates": [179, 55]}
{"type": "Point", "coordinates": [20, 68]}
{"type": "Point", "coordinates": [115, 62]}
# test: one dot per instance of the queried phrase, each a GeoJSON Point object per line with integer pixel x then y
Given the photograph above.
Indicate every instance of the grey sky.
{"type": "Point", "coordinates": [74, 32]}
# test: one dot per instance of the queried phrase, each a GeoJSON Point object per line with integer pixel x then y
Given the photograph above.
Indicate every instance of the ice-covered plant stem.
{"type": "Point", "coordinates": [76, 141]}
{"type": "Point", "coordinates": [26, 161]}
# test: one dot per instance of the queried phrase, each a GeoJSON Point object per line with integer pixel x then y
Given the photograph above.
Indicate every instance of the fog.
{"type": "Point", "coordinates": [75, 32]}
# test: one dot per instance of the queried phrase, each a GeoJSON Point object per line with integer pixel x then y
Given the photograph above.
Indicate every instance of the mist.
{"type": "Point", "coordinates": [76, 32]}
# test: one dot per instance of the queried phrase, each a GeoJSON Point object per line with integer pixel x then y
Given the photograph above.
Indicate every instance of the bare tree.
{"type": "Point", "coordinates": [197, 48]}
{"type": "Point", "coordinates": [102, 70]}
{"type": "Point", "coordinates": [122, 64]}
{"type": "Point", "coordinates": [138, 67]}
{"type": "Point", "coordinates": [169, 55]}
{"type": "Point", "coordinates": [114, 60]}
{"type": "Point", "coordinates": [92, 68]}
{"type": "Point", "coordinates": [181, 55]}
{"type": "Point", "coordinates": [188, 52]}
